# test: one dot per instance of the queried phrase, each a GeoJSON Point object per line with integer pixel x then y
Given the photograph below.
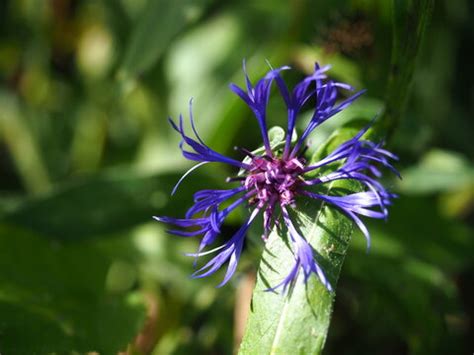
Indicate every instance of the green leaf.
{"type": "Point", "coordinates": [104, 205]}
{"type": "Point", "coordinates": [53, 298]}
{"type": "Point", "coordinates": [297, 323]}
{"type": "Point", "coordinates": [159, 23]}
{"type": "Point", "coordinates": [438, 170]}
{"type": "Point", "coordinates": [410, 19]}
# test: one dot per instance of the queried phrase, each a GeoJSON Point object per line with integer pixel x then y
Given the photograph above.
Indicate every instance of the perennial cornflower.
{"type": "Point", "coordinates": [271, 181]}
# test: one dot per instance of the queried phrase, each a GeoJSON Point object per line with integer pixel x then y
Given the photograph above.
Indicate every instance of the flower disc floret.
{"type": "Point", "coordinates": [274, 180]}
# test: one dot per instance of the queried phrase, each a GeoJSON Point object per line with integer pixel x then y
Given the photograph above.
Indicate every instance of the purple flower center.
{"type": "Point", "coordinates": [274, 180]}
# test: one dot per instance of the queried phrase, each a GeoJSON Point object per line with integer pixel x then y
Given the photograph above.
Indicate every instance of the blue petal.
{"type": "Point", "coordinates": [360, 203]}
{"type": "Point", "coordinates": [256, 97]}
{"type": "Point", "coordinates": [230, 252]}
{"type": "Point", "coordinates": [304, 258]}
{"type": "Point", "coordinates": [201, 152]}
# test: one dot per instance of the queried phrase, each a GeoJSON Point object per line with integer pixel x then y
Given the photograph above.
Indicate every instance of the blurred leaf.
{"type": "Point", "coordinates": [21, 143]}
{"type": "Point", "coordinates": [342, 68]}
{"type": "Point", "coordinates": [159, 23]}
{"type": "Point", "coordinates": [437, 171]}
{"type": "Point", "coordinates": [409, 282]}
{"type": "Point", "coordinates": [53, 298]}
{"type": "Point", "coordinates": [105, 205]}
{"type": "Point", "coordinates": [298, 322]}
{"type": "Point", "coordinates": [416, 229]}
{"type": "Point", "coordinates": [200, 65]}
{"type": "Point", "coordinates": [410, 19]}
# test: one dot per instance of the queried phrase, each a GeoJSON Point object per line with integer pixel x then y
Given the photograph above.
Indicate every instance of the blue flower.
{"type": "Point", "coordinates": [272, 182]}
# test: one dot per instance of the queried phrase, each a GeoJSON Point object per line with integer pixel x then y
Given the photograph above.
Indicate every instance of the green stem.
{"type": "Point", "coordinates": [410, 19]}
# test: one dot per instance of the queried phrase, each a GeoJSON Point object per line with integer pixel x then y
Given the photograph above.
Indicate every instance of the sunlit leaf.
{"type": "Point", "coordinates": [298, 321]}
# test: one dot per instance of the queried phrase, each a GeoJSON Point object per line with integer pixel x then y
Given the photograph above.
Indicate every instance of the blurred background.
{"type": "Point", "coordinates": [87, 157]}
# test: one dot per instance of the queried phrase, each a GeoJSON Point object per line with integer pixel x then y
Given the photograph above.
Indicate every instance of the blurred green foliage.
{"type": "Point", "coordinates": [87, 157]}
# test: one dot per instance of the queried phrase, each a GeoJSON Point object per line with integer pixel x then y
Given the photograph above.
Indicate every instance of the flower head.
{"type": "Point", "coordinates": [271, 182]}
